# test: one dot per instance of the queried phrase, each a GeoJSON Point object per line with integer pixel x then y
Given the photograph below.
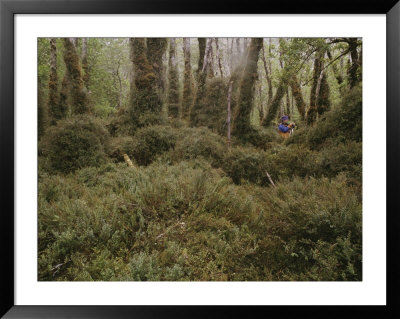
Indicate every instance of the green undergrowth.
{"type": "Point", "coordinates": [192, 209]}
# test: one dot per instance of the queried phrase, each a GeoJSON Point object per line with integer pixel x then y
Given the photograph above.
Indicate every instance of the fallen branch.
{"type": "Point", "coordinates": [270, 179]}
{"type": "Point", "coordinates": [128, 160]}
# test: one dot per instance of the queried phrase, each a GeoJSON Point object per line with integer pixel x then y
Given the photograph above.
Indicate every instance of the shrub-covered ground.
{"type": "Point", "coordinates": [190, 209]}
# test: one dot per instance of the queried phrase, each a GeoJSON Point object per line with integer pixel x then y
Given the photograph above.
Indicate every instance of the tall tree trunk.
{"type": "Point", "coordinates": [298, 95]}
{"type": "Point", "coordinates": [218, 53]}
{"type": "Point", "coordinates": [85, 68]}
{"type": "Point", "coordinates": [268, 76]}
{"type": "Point", "coordinates": [145, 98]}
{"type": "Point", "coordinates": [156, 48]}
{"type": "Point", "coordinates": [353, 76]}
{"type": "Point", "coordinates": [275, 103]}
{"type": "Point", "coordinates": [79, 99]}
{"type": "Point", "coordinates": [187, 98]}
{"type": "Point", "coordinates": [173, 80]}
{"type": "Point", "coordinates": [241, 123]}
{"type": "Point", "coordinates": [317, 77]}
{"type": "Point", "coordinates": [228, 120]}
{"type": "Point", "coordinates": [336, 72]}
{"type": "Point", "coordinates": [65, 100]}
{"type": "Point", "coordinates": [55, 112]}
{"type": "Point", "coordinates": [287, 102]}
{"type": "Point", "coordinates": [202, 51]}
{"type": "Point", "coordinates": [201, 87]}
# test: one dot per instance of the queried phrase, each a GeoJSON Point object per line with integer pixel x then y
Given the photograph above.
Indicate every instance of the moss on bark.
{"type": "Point", "coordinates": [241, 121]}
{"type": "Point", "coordinates": [79, 99]}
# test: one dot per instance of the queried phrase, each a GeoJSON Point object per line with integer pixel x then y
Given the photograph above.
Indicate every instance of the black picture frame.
{"type": "Point", "coordinates": [8, 8]}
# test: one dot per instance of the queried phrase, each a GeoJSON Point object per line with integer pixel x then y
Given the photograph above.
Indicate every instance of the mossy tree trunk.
{"type": "Point", "coordinates": [241, 123]}
{"type": "Point", "coordinates": [202, 50]}
{"type": "Point", "coordinates": [201, 85]}
{"type": "Point", "coordinates": [218, 55]}
{"type": "Point", "coordinates": [319, 97]}
{"type": "Point", "coordinates": [144, 98]}
{"type": "Point", "coordinates": [298, 95]}
{"type": "Point", "coordinates": [79, 99]}
{"type": "Point", "coordinates": [187, 98]}
{"type": "Point", "coordinates": [355, 62]}
{"type": "Point", "coordinates": [173, 80]}
{"type": "Point", "coordinates": [42, 118]}
{"type": "Point", "coordinates": [317, 77]}
{"type": "Point", "coordinates": [275, 103]}
{"type": "Point", "coordinates": [156, 48]}
{"type": "Point", "coordinates": [85, 67]}
{"type": "Point", "coordinates": [336, 72]}
{"type": "Point", "coordinates": [55, 111]}
{"type": "Point", "coordinates": [268, 76]}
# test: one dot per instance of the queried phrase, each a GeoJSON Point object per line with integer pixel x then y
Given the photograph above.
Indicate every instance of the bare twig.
{"type": "Point", "coordinates": [270, 179]}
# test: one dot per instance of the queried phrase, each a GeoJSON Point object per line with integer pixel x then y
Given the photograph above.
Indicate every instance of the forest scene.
{"type": "Point", "coordinates": [199, 159]}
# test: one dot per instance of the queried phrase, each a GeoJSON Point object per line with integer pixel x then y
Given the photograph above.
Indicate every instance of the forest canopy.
{"type": "Point", "coordinates": [199, 159]}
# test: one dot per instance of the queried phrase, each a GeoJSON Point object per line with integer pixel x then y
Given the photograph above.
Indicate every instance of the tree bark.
{"type": "Point", "coordinates": [187, 98]}
{"type": "Point", "coordinates": [173, 80]}
{"type": "Point", "coordinates": [353, 76]}
{"type": "Point", "coordinates": [156, 48]}
{"type": "Point", "coordinates": [298, 95]}
{"type": "Point", "coordinates": [268, 76]}
{"type": "Point", "coordinates": [79, 99]}
{"type": "Point", "coordinates": [144, 98]}
{"type": "Point", "coordinates": [55, 112]}
{"type": "Point", "coordinates": [228, 120]}
{"type": "Point", "coordinates": [276, 101]}
{"type": "Point", "coordinates": [219, 57]}
{"type": "Point", "coordinates": [241, 123]}
{"type": "Point", "coordinates": [85, 67]}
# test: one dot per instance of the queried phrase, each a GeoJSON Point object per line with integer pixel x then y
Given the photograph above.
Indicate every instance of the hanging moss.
{"type": "Point", "coordinates": [79, 99]}
{"type": "Point", "coordinates": [173, 79]}
{"type": "Point", "coordinates": [187, 98]}
{"type": "Point", "coordinates": [241, 122]}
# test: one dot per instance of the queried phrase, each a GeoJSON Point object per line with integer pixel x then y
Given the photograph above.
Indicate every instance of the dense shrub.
{"type": "Point", "coordinates": [313, 229]}
{"type": "Point", "coordinates": [119, 146]}
{"type": "Point", "coordinates": [211, 108]}
{"type": "Point", "coordinates": [341, 124]}
{"type": "Point", "coordinates": [75, 143]}
{"type": "Point", "coordinates": [200, 143]}
{"type": "Point", "coordinates": [149, 142]}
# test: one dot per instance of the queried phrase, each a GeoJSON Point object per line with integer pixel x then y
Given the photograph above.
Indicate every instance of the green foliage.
{"type": "Point", "coordinates": [150, 142]}
{"type": "Point", "coordinates": [318, 225]}
{"type": "Point", "coordinates": [199, 143]}
{"type": "Point", "coordinates": [210, 110]}
{"type": "Point", "coordinates": [341, 124]}
{"type": "Point", "coordinates": [75, 143]}
{"type": "Point", "coordinates": [103, 111]}
{"type": "Point", "coordinates": [191, 208]}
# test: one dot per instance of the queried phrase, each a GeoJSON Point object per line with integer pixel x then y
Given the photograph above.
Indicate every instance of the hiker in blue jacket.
{"type": "Point", "coordinates": [285, 129]}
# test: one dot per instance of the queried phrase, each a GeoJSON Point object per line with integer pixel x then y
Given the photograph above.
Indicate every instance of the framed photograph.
{"type": "Point", "coordinates": [159, 155]}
